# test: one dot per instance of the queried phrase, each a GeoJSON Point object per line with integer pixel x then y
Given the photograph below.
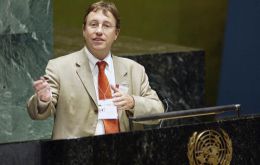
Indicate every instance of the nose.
{"type": "Point", "coordinates": [99, 29]}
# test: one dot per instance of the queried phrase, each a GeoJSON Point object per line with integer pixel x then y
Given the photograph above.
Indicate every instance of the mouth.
{"type": "Point", "coordinates": [98, 39]}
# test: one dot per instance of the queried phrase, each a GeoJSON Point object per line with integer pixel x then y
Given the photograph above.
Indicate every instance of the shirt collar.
{"type": "Point", "coordinates": [93, 60]}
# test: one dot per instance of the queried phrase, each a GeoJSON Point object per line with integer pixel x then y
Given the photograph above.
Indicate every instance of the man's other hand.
{"type": "Point", "coordinates": [122, 101]}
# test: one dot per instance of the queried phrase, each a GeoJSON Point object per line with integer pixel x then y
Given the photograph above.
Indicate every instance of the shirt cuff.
{"type": "Point", "coordinates": [42, 104]}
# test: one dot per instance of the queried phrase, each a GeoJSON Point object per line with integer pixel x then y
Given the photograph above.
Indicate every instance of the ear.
{"type": "Point", "coordinates": [117, 33]}
{"type": "Point", "coordinates": [83, 33]}
{"type": "Point", "coordinates": [83, 30]}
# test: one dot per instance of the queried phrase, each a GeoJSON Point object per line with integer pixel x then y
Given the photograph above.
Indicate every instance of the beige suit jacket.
{"type": "Point", "coordinates": [74, 100]}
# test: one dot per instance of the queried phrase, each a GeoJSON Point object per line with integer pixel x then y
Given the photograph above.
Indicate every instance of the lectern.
{"type": "Point", "coordinates": [233, 139]}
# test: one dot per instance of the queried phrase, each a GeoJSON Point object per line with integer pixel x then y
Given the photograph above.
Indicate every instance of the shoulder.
{"type": "Point", "coordinates": [128, 62]}
{"type": "Point", "coordinates": [66, 62]}
{"type": "Point", "coordinates": [67, 58]}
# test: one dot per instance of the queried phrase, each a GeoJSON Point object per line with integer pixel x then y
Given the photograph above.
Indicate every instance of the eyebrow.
{"type": "Point", "coordinates": [102, 22]}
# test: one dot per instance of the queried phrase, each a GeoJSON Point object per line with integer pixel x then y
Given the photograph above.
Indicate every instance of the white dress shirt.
{"type": "Point", "coordinates": [109, 71]}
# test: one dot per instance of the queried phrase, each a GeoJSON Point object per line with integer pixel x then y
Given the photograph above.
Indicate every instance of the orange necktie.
{"type": "Point", "coordinates": [104, 91]}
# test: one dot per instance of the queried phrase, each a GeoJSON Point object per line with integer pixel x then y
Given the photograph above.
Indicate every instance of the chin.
{"type": "Point", "coordinates": [99, 47]}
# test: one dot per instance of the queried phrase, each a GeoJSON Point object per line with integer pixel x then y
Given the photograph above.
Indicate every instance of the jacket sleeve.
{"type": "Point", "coordinates": [44, 111]}
{"type": "Point", "coordinates": [147, 102]}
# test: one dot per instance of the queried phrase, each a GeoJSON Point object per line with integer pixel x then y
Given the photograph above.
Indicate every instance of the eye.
{"type": "Point", "coordinates": [106, 26]}
{"type": "Point", "coordinates": [93, 24]}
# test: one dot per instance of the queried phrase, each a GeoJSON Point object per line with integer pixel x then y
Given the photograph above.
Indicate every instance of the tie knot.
{"type": "Point", "coordinates": [101, 65]}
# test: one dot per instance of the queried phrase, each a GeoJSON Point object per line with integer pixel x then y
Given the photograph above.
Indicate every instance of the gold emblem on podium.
{"type": "Point", "coordinates": [210, 147]}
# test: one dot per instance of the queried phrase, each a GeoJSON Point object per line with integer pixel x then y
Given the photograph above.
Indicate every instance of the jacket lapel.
{"type": "Point", "coordinates": [120, 71]}
{"type": "Point", "coordinates": [120, 76]}
{"type": "Point", "coordinates": [84, 72]}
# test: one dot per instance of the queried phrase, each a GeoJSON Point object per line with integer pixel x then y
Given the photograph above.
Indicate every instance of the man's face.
{"type": "Point", "coordinates": [100, 32]}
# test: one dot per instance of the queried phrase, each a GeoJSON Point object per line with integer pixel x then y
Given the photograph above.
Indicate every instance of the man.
{"type": "Point", "coordinates": [91, 92]}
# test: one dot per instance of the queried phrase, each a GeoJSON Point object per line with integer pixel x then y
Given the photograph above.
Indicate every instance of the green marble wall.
{"type": "Point", "coordinates": [198, 24]}
{"type": "Point", "coordinates": [25, 47]}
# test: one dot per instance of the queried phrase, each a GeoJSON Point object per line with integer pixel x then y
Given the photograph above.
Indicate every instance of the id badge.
{"type": "Point", "coordinates": [107, 109]}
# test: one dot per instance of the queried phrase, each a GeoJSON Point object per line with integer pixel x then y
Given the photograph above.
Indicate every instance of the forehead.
{"type": "Point", "coordinates": [100, 15]}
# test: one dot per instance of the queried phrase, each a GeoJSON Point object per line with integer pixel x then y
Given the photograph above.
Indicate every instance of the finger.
{"type": "Point", "coordinates": [114, 88]}
{"type": "Point", "coordinates": [38, 86]}
{"type": "Point", "coordinates": [42, 78]}
{"type": "Point", "coordinates": [37, 82]}
{"type": "Point", "coordinates": [44, 97]}
{"type": "Point", "coordinates": [117, 94]}
{"type": "Point", "coordinates": [44, 94]}
{"type": "Point", "coordinates": [42, 86]}
{"type": "Point", "coordinates": [43, 91]}
{"type": "Point", "coordinates": [120, 103]}
{"type": "Point", "coordinates": [118, 97]}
